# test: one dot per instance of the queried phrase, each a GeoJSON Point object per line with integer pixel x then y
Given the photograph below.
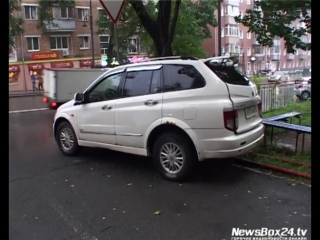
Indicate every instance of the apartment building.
{"type": "Point", "coordinates": [67, 43]}
{"type": "Point", "coordinates": [235, 39]}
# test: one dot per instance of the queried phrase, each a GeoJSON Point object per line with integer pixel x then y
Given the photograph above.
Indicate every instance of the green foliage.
{"type": "Point", "coordinates": [45, 14]}
{"type": "Point", "coordinates": [274, 18]}
{"type": "Point", "coordinates": [15, 23]}
{"type": "Point", "coordinates": [192, 27]}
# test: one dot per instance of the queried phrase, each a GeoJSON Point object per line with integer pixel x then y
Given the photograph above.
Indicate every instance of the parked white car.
{"type": "Point", "coordinates": [178, 110]}
{"type": "Point", "coordinates": [278, 76]}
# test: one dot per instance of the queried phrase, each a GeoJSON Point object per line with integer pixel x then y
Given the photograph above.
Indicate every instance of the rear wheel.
{"type": "Point", "coordinates": [305, 95]}
{"type": "Point", "coordinates": [174, 156]}
{"type": "Point", "coordinates": [67, 139]}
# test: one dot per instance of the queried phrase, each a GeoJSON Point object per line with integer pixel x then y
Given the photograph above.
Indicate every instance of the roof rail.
{"type": "Point", "coordinates": [173, 57]}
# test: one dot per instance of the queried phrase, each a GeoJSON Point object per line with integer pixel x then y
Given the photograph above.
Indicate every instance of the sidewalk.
{"type": "Point", "coordinates": [24, 94]}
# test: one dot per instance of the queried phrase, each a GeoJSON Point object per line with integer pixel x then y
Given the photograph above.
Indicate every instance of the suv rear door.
{"type": "Point", "coordinates": [140, 104]}
{"type": "Point", "coordinates": [243, 95]}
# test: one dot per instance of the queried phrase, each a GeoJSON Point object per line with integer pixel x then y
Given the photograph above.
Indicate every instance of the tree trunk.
{"type": "Point", "coordinates": [160, 31]}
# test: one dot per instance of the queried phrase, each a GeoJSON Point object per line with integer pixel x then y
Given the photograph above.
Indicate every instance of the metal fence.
{"type": "Point", "coordinates": [276, 96]}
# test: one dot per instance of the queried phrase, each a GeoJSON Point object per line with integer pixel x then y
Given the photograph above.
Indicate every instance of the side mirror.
{"type": "Point", "coordinates": [79, 97]}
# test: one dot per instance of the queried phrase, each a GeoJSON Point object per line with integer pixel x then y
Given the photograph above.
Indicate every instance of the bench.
{"type": "Point", "coordinates": [288, 126]}
{"type": "Point", "coordinates": [284, 117]}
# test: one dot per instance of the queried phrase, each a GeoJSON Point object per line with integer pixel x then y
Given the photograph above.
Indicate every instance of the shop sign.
{"type": "Point", "coordinates": [14, 68]}
{"type": "Point", "coordinates": [44, 56]}
{"type": "Point", "coordinates": [68, 64]}
{"type": "Point", "coordinates": [85, 63]}
{"type": "Point", "coordinates": [37, 66]}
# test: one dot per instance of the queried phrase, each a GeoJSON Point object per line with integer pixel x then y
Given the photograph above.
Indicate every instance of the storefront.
{"type": "Point", "coordinates": [66, 64]}
{"type": "Point", "coordinates": [14, 71]}
{"type": "Point", "coordinates": [36, 69]}
{"type": "Point", "coordinates": [85, 63]}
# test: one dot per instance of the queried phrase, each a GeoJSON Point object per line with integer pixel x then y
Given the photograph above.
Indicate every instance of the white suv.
{"type": "Point", "coordinates": [179, 110]}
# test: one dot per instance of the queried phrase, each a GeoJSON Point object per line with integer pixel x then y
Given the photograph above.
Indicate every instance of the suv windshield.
{"type": "Point", "coordinates": [229, 74]}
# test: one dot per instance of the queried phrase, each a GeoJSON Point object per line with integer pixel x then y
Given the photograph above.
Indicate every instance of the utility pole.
{"type": "Point", "coordinates": [91, 33]}
{"type": "Point", "coordinates": [219, 28]}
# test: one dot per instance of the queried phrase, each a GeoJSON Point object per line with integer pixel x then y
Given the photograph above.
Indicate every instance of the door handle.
{"type": "Point", "coordinates": [151, 102]}
{"type": "Point", "coordinates": [106, 107]}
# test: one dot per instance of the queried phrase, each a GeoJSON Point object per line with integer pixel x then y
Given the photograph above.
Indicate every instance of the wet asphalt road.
{"type": "Point", "coordinates": [24, 103]}
{"type": "Point", "coordinates": [107, 195]}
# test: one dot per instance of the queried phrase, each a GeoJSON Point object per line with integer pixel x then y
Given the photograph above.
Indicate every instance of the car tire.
{"type": "Point", "coordinates": [184, 150]}
{"type": "Point", "coordinates": [73, 148]}
{"type": "Point", "coordinates": [305, 95]}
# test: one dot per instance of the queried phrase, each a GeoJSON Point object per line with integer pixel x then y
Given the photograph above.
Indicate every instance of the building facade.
{"type": "Point", "coordinates": [253, 57]}
{"type": "Point", "coordinates": [66, 44]}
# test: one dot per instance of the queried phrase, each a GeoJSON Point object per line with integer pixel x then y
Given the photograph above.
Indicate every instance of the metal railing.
{"type": "Point", "coordinates": [276, 96]}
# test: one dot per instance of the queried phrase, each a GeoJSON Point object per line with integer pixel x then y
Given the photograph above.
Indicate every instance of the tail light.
{"type": "Point", "coordinates": [45, 100]}
{"type": "Point", "coordinates": [231, 120]}
{"type": "Point", "coordinates": [260, 109]}
{"type": "Point", "coordinates": [53, 104]}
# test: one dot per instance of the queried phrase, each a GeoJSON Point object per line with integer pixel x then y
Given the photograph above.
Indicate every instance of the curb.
{"type": "Point", "coordinates": [25, 95]}
{"type": "Point", "coordinates": [252, 164]}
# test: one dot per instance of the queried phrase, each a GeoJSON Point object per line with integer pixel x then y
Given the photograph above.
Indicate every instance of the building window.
{"type": "Point", "coordinates": [232, 30]}
{"type": "Point", "coordinates": [232, 11]}
{"type": "Point", "coordinates": [84, 42]}
{"type": "Point", "coordinates": [275, 50]}
{"type": "Point", "coordinates": [222, 11]}
{"type": "Point", "coordinates": [248, 35]}
{"type": "Point", "coordinates": [284, 65]}
{"type": "Point", "coordinates": [134, 46]}
{"type": "Point", "coordinates": [248, 67]}
{"type": "Point", "coordinates": [231, 48]}
{"type": "Point", "coordinates": [66, 12]}
{"type": "Point", "coordinates": [104, 43]}
{"type": "Point", "coordinates": [248, 51]}
{"type": "Point", "coordinates": [241, 34]}
{"type": "Point", "coordinates": [241, 13]}
{"type": "Point", "coordinates": [59, 43]}
{"type": "Point", "coordinates": [222, 32]}
{"type": "Point", "coordinates": [31, 12]}
{"type": "Point", "coordinates": [33, 44]}
{"type": "Point", "coordinates": [103, 17]}
{"type": "Point", "coordinates": [259, 50]}
{"type": "Point", "coordinates": [83, 13]}
{"type": "Point", "coordinates": [222, 50]}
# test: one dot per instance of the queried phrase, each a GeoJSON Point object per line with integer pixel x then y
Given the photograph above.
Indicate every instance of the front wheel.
{"type": "Point", "coordinates": [174, 156]}
{"type": "Point", "coordinates": [67, 139]}
{"type": "Point", "coordinates": [305, 95]}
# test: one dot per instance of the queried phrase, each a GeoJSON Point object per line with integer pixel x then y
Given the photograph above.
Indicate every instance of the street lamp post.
{"type": "Point", "coordinates": [85, 19]}
{"type": "Point", "coordinates": [219, 28]}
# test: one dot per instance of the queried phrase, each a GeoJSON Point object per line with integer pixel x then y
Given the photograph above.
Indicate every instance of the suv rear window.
{"type": "Point", "coordinates": [229, 74]}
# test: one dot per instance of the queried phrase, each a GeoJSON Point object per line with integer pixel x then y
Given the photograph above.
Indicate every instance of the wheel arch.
{"type": "Point", "coordinates": [64, 118]}
{"type": "Point", "coordinates": [172, 126]}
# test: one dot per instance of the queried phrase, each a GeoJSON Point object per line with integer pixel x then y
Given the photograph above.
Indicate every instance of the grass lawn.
{"type": "Point", "coordinates": [302, 107]}
{"type": "Point", "coordinates": [271, 154]}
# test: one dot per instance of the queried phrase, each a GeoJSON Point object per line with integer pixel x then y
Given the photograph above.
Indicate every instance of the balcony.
{"type": "Point", "coordinates": [303, 56]}
{"type": "Point", "coordinates": [290, 56]}
{"type": "Point", "coordinates": [275, 56]}
{"type": "Point", "coordinates": [255, 42]}
{"type": "Point", "coordinates": [276, 42]}
{"type": "Point", "coordinates": [61, 25]}
{"type": "Point", "coordinates": [258, 51]}
{"type": "Point", "coordinates": [232, 2]}
{"type": "Point", "coordinates": [229, 20]}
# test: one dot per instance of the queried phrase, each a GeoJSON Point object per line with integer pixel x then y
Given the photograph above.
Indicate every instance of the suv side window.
{"type": "Point", "coordinates": [107, 89]}
{"type": "Point", "coordinates": [137, 83]}
{"type": "Point", "coordinates": [181, 77]}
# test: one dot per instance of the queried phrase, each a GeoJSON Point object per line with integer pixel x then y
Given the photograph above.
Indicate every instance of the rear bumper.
{"type": "Point", "coordinates": [232, 146]}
